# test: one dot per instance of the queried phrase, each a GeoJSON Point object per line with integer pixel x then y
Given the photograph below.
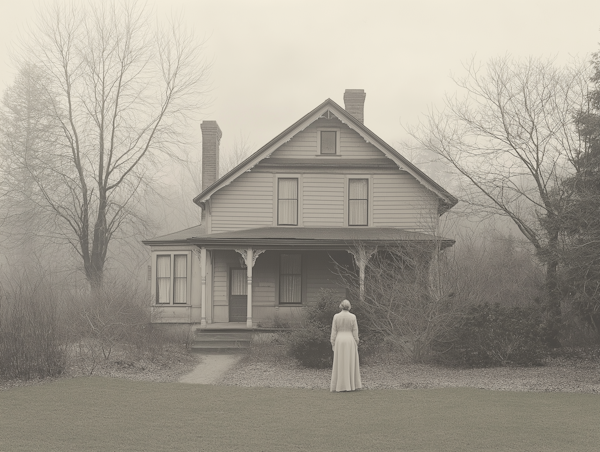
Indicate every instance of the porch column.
{"type": "Point", "coordinates": [361, 257]}
{"type": "Point", "coordinates": [203, 290]}
{"type": "Point", "coordinates": [249, 256]}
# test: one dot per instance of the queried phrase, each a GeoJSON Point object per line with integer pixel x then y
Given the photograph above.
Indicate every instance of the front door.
{"type": "Point", "coordinates": [238, 290]}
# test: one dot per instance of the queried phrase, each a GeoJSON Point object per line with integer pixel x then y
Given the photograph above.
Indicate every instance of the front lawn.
{"type": "Point", "coordinates": [104, 414]}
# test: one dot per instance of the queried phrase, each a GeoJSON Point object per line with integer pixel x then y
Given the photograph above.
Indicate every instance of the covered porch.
{"type": "Point", "coordinates": [262, 278]}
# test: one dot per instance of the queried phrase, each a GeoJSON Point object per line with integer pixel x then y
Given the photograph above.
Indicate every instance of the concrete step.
{"type": "Point", "coordinates": [221, 341]}
{"type": "Point", "coordinates": [224, 336]}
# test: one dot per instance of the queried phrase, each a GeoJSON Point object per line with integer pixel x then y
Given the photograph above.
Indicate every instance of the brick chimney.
{"type": "Point", "coordinates": [211, 136]}
{"type": "Point", "coordinates": [354, 103]}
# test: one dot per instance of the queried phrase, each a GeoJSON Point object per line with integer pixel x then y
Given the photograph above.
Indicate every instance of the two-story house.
{"type": "Point", "coordinates": [275, 226]}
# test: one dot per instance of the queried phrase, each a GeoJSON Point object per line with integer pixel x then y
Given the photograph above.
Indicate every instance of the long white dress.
{"type": "Point", "coordinates": [345, 375]}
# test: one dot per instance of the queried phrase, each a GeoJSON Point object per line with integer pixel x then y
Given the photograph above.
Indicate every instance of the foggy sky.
{"type": "Point", "coordinates": [273, 61]}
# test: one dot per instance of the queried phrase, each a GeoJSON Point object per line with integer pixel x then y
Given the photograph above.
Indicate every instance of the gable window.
{"type": "Point", "coordinates": [171, 279]}
{"type": "Point", "coordinates": [358, 202]}
{"type": "Point", "coordinates": [287, 202]}
{"type": "Point", "coordinates": [328, 142]}
{"type": "Point", "coordinates": [290, 279]}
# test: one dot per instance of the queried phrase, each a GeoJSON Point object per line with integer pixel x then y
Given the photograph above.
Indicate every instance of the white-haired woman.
{"type": "Point", "coordinates": [345, 375]}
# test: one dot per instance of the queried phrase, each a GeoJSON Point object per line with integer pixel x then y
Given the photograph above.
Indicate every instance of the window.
{"type": "Point", "coordinates": [328, 143]}
{"type": "Point", "coordinates": [163, 279]}
{"type": "Point", "coordinates": [180, 279]}
{"type": "Point", "coordinates": [358, 202]}
{"type": "Point", "coordinates": [287, 202]}
{"type": "Point", "coordinates": [172, 279]}
{"type": "Point", "coordinates": [290, 279]}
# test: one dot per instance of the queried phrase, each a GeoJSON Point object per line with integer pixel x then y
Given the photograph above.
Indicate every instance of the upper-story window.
{"type": "Point", "coordinates": [328, 142]}
{"type": "Point", "coordinates": [358, 202]}
{"type": "Point", "coordinates": [287, 201]}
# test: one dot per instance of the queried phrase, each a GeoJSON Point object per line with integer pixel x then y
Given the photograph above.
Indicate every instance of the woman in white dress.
{"type": "Point", "coordinates": [345, 375]}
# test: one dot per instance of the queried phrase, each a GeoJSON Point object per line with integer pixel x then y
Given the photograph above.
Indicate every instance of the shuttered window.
{"type": "Point", "coordinates": [290, 279]}
{"type": "Point", "coordinates": [287, 202]}
{"type": "Point", "coordinates": [358, 202]}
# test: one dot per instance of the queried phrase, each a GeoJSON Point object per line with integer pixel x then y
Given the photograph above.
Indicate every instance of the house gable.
{"type": "Point", "coordinates": [305, 143]}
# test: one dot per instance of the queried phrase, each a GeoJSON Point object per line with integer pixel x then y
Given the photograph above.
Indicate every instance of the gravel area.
{"type": "Point", "coordinates": [564, 375]}
{"type": "Point", "coordinates": [270, 367]}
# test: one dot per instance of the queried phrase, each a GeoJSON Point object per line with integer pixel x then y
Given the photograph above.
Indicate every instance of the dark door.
{"type": "Point", "coordinates": [238, 289]}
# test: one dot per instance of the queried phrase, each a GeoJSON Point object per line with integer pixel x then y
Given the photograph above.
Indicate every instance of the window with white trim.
{"type": "Point", "coordinates": [358, 202]}
{"type": "Point", "coordinates": [287, 201]}
{"type": "Point", "coordinates": [290, 279]}
{"type": "Point", "coordinates": [328, 142]}
{"type": "Point", "coordinates": [171, 278]}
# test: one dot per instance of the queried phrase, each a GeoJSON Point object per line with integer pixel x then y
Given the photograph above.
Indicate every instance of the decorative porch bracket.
{"type": "Point", "coordinates": [201, 255]}
{"type": "Point", "coordinates": [362, 254]}
{"type": "Point", "coordinates": [249, 255]}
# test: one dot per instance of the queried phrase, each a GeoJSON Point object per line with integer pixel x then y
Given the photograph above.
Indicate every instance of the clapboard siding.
{"type": "Point", "coordinates": [401, 201]}
{"type": "Point", "coordinates": [223, 261]}
{"type": "Point", "coordinates": [264, 280]}
{"type": "Point", "coordinates": [304, 143]}
{"type": "Point", "coordinates": [323, 200]}
{"type": "Point", "coordinates": [245, 203]}
{"type": "Point", "coordinates": [320, 274]}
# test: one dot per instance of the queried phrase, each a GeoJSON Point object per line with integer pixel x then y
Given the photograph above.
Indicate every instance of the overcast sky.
{"type": "Point", "coordinates": [273, 61]}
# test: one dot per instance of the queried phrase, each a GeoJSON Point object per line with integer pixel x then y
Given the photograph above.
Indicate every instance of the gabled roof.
{"type": "Point", "coordinates": [447, 201]}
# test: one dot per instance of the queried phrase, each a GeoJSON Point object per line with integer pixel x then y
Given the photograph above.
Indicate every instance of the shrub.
{"type": "Point", "coordinates": [32, 341]}
{"type": "Point", "coordinates": [115, 315]}
{"type": "Point", "coordinates": [309, 343]}
{"type": "Point", "coordinates": [495, 335]}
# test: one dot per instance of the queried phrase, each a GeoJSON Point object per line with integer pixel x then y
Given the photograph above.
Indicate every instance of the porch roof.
{"type": "Point", "coordinates": [317, 238]}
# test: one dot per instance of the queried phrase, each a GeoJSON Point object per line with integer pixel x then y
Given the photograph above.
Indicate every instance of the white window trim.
{"type": "Point", "coordinates": [337, 141]}
{"type": "Point", "coordinates": [369, 202]}
{"type": "Point", "coordinates": [188, 284]}
{"type": "Point", "coordinates": [276, 178]}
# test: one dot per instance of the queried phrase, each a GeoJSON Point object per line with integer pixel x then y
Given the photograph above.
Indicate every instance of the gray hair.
{"type": "Point", "coordinates": [345, 305]}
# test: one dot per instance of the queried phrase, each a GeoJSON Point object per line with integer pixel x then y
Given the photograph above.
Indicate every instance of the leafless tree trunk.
{"type": "Point", "coordinates": [512, 138]}
{"type": "Point", "coordinates": [120, 93]}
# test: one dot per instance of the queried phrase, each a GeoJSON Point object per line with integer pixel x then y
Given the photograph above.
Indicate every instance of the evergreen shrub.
{"type": "Point", "coordinates": [496, 335]}
{"type": "Point", "coordinates": [309, 342]}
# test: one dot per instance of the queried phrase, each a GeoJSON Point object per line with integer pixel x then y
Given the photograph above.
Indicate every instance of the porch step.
{"type": "Point", "coordinates": [227, 341]}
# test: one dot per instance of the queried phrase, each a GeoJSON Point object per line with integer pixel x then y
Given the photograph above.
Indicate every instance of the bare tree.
{"type": "Point", "coordinates": [235, 155]}
{"type": "Point", "coordinates": [408, 295]}
{"type": "Point", "coordinates": [512, 138]}
{"type": "Point", "coordinates": [120, 92]}
{"type": "Point", "coordinates": [25, 131]}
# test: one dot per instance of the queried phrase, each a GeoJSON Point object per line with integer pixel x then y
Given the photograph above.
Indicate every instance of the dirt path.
{"type": "Point", "coordinates": [211, 369]}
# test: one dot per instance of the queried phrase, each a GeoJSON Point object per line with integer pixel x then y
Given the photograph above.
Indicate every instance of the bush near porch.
{"type": "Point", "coordinates": [309, 342]}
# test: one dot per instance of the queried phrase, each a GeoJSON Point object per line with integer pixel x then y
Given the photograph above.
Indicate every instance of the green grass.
{"type": "Point", "coordinates": [101, 414]}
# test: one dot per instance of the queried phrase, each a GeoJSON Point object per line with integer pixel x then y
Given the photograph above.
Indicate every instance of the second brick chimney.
{"type": "Point", "coordinates": [211, 137]}
{"type": "Point", "coordinates": [354, 103]}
